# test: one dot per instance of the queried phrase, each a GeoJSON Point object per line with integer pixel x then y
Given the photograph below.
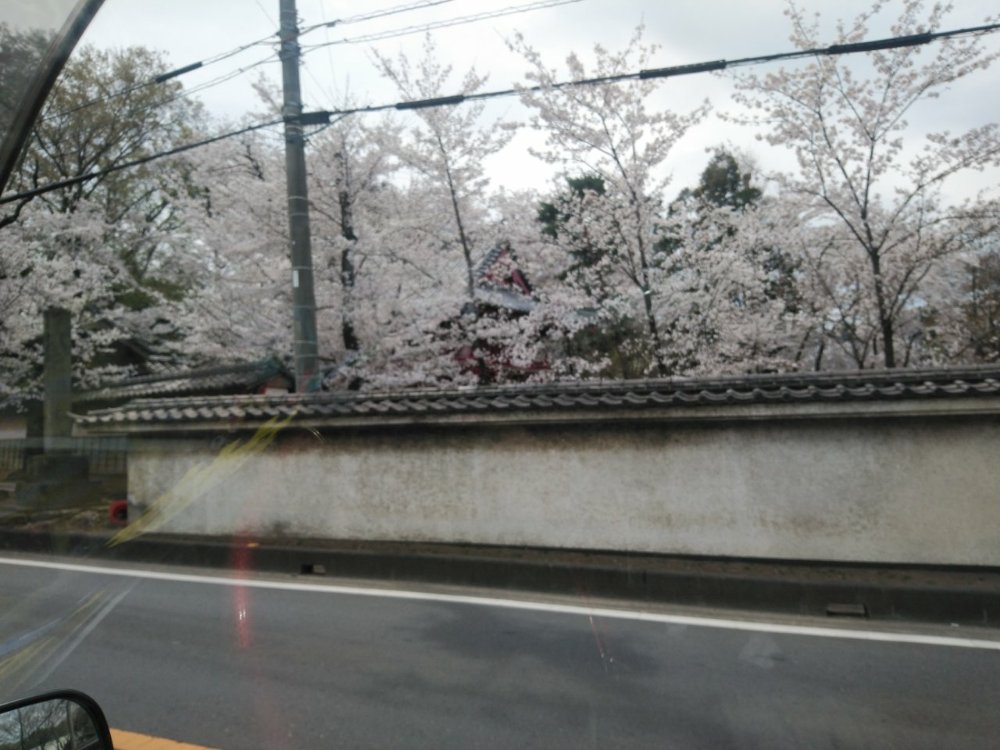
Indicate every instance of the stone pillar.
{"type": "Point", "coordinates": [57, 379]}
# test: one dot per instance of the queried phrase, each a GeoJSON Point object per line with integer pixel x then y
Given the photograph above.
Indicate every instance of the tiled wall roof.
{"type": "Point", "coordinates": [869, 385]}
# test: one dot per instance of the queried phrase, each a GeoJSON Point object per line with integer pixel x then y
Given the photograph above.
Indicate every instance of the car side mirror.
{"type": "Point", "coordinates": [66, 720]}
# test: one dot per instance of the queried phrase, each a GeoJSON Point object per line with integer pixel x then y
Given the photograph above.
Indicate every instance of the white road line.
{"type": "Point", "coordinates": [483, 601]}
{"type": "Point", "coordinates": [68, 648]}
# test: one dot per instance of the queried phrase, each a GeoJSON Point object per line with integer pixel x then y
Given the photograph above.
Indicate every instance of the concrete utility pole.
{"type": "Point", "coordinates": [303, 296]}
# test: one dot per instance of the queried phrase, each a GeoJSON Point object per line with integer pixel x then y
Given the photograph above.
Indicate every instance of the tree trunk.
{"type": "Point", "coordinates": [884, 316]}
{"type": "Point", "coordinates": [463, 239]}
{"type": "Point", "coordinates": [347, 272]}
{"type": "Point", "coordinates": [647, 301]}
{"type": "Point", "coordinates": [818, 359]}
{"type": "Point", "coordinates": [654, 331]}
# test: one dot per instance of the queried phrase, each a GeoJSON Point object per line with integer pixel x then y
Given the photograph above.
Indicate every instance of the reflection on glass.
{"type": "Point", "coordinates": [49, 725]}
{"type": "Point", "coordinates": [21, 53]}
{"type": "Point", "coordinates": [25, 32]}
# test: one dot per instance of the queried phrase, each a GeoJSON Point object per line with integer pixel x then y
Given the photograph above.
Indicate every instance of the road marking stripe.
{"type": "Point", "coordinates": [68, 647]}
{"type": "Point", "coordinates": [518, 604]}
{"type": "Point", "coordinates": [123, 740]}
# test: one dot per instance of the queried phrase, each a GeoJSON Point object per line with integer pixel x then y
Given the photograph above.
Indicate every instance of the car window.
{"type": "Point", "coordinates": [504, 373]}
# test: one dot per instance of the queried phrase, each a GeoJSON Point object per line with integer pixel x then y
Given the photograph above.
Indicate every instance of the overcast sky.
{"type": "Point", "coordinates": [687, 30]}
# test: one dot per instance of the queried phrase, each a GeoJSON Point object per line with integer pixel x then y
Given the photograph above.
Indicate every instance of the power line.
{"type": "Point", "coordinates": [319, 86]}
{"type": "Point", "coordinates": [163, 77]}
{"type": "Point", "coordinates": [205, 85]}
{"type": "Point", "coordinates": [329, 59]}
{"type": "Point", "coordinates": [321, 128]}
{"type": "Point", "coordinates": [226, 76]}
{"type": "Point", "coordinates": [461, 20]}
{"type": "Point", "coordinates": [875, 45]}
{"type": "Point", "coordinates": [199, 64]}
{"type": "Point", "coordinates": [69, 182]}
{"type": "Point", "coordinates": [211, 83]}
{"type": "Point", "coordinates": [324, 117]}
{"type": "Point", "coordinates": [375, 14]}
{"type": "Point", "coordinates": [327, 25]}
{"type": "Point", "coordinates": [268, 16]}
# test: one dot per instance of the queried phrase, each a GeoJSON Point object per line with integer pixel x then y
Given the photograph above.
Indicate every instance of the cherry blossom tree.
{"type": "Point", "coordinates": [449, 226]}
{"type": "Point", "coordinates": [446, 148]}
{"type": "Point", "coordinates": [868, 211]}
{"type": "Point", "coordinates": [980, 330]}
{"type": "Point", "coordinates": [56, 260]}
{"type": "Point", "coordinates": [609, 131]}
{"type": "Point", "coordinates": [233, 247]}
{"type": "Point", "coordinates": [101, 248]}
{"type": "Point", "coordinates": [351, 165]}
{"type": "Point", "coordinates": [735, 293]}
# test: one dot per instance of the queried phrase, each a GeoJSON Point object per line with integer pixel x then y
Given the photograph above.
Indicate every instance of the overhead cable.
{"type": "Point", "coordinates": [672, 71]}
{"type": "Point", "coordinates": [70, 181]}
{"type": "Point", "coordinates": [375, 14]}
{"type": "Point", "coordinates": [211, 83]}
{"type": "Point", "coordinates": [459, 21]}
{"type": "Point", "coordinates": [203, 86]}
{"type": "Point", "coordinates": [163, 77]}
{"type": "Point", "coordinates": [324, 117]}
{"type": "Point", "coordinates": [199, 64]}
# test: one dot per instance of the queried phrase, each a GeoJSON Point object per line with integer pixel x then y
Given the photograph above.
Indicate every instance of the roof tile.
{"type": "Point", "coordinates": [861, 385]}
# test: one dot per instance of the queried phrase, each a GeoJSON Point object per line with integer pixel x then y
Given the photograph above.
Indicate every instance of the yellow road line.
{"type": "Point", "coordinates": [134, 741]}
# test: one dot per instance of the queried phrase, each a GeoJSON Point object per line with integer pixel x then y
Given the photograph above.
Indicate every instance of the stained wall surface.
{"type": "Point", "coordinates": [911, 490]}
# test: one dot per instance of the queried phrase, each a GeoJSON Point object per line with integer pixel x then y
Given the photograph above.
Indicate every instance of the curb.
{"type": "Point", "coordinates": [944, 595]}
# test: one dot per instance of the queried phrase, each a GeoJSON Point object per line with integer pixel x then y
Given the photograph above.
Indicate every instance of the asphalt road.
{"type": "Point", "coordinates": [238, 666]}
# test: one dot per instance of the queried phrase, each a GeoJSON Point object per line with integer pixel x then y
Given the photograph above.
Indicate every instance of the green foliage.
{"type": "Point", "coordinates": [615, 342]}
{"type": "Point", "coordinates": [724, 184]}
{"type": "Point", "coordinates": [619, 345]}
{"type": "Point", "coordinates": [98, 116]}
{"type": "Point", "coordinates": [585, 255]}
{"type": "Point", "coordinates": [553, 216]}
